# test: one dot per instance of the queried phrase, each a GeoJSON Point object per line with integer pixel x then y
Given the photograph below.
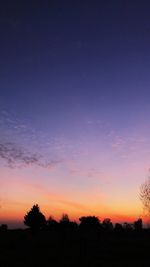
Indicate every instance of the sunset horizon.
{"type": "Point", "coordinates": [74, 109]}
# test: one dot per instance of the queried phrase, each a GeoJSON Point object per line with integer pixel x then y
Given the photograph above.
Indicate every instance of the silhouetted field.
{"type": "Point", "coordinates": [73, 247]}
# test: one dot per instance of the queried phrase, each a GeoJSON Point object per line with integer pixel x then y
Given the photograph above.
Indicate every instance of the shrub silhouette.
{"type": "Point", "coordinates": [34, 218]}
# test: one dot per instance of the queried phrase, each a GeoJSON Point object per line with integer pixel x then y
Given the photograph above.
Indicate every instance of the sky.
{"type": "Point", "coordinates": [74, 108]}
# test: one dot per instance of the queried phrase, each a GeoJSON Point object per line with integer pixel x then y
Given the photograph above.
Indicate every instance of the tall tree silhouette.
{"type": "Point", "coordinates": [34, 218]}
{"type": "Point", "coordinates": [145, 195]}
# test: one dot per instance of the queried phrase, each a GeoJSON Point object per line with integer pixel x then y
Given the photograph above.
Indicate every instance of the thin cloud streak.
{"type": "Point", "coordinates": [16, 156]}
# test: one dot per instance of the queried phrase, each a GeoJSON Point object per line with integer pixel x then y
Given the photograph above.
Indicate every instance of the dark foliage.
{"type": "Point", "coordinates": [52, 248]}
{"type": "Point", "coordinates": [89, 222]}
{"type": "Point", "coordinates": [52, 224]}
{"type": "Point", "coordinates": [107, 224]}
{"type": "Point", "coordinates": [68, 244]}
{"type": "Point", "coordinates": [4, 227]}
{"type": "Point", "coordinates": [66, 224]}
{"type": "Point", "coordinates": [118, 228]}
{"type": "Point", "coordinates": [138, 225]}
{"type": "Point", "coordinates": [34, 218]}
{"type": "Point", "coordinates": [65, 219]}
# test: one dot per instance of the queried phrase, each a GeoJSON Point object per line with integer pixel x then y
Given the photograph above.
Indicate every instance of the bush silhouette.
{"type": "Point", "coordinates": [34, 218]}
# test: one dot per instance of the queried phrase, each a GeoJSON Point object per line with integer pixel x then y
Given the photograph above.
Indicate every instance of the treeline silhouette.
{"type": "Point", "coordinates": [36, 220]}
{"type": "Point", "coordinates": [90, 242]}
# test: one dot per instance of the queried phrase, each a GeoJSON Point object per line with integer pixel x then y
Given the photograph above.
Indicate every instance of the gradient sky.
{"type": "Point", "coordinates": [74, 107]}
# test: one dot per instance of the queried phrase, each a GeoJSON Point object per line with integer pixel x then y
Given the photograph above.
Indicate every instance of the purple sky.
{"type": "Point", "coordinates": [74, 107]}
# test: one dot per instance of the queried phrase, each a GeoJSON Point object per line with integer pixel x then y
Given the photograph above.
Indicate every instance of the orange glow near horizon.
{"type": "Point", "coordinates": [70, 188]}
{"type": "Point", "coordinates": [16, 204]}
{"type": "Point", "coordinates": [18, 215]}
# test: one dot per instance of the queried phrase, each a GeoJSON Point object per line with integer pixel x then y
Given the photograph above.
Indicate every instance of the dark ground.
{"type": "Point", "coordinates": [21, 248]}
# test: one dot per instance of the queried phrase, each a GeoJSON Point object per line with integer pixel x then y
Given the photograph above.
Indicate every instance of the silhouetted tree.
{"type": "Point", "coordinates": [65, 218]}
{"type": "Point", "coordinates": [34, 218]}
{"type": "Point", "coordinates": [127, 226]}
{"type": "Point", "coordinates": [4, 227]}
{"type": "Point", "coordinates": [89, 221]}
{"type": "Point", "coordinates": [89, 229]}
{"type": "Point", "coordinates": [107, 224]}
{"type": "Point", "coordinates": [118, 228]}
{"type": "Point", "coordinates": [52, 223]}
{"type": "Point", "coordinates": [138, 225]}
{"type": "Point", "coordinates": [65, 223]}
{"type": "Point", "coordinates": [145, 195]}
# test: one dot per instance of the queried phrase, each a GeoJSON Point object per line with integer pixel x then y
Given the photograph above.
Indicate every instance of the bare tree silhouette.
{"type": "Point", "coordinates": [145, 195]}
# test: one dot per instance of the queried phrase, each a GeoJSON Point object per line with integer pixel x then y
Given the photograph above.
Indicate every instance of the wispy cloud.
{"type": "Point", "coordinates": [89, 172]}
{"type": "Point", "coordinates": [16, 156]}
{"type": "Point", "coordinates": [128, 143]}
